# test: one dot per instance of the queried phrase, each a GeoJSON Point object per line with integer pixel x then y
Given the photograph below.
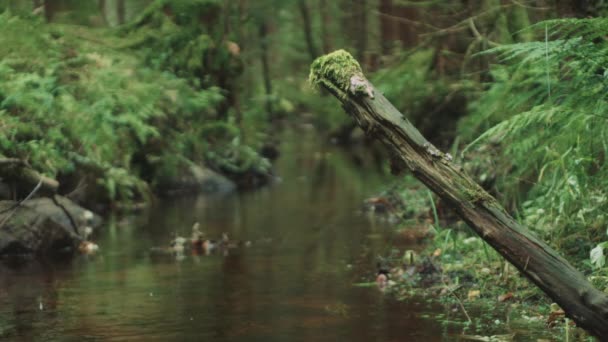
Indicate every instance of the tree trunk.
{"type": "Point", "coordinates": [101, 4]}
{"type": "Point", "coordinates": [587, 306]}
{"type": "Point", "coordinates": [120, 11]}
{"type": "Point", "coordinates": [312, 51]}
{"type": "Point", "coordinates": [387, 26]}
{"type": "Point", "coordinates": [407, 31]}
{"type": "Point", "coordinates": [49, 10]}
{"type": "Point", "coordinates": [325, 27]}
{"type": "Point", "coordinates": [263, 32]}
{"type": "Point", "coordinates": [360, 19]}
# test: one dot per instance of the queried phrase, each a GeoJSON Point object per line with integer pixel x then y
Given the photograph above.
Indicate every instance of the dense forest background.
{"type": "Point", "coordinates": [115, 99]}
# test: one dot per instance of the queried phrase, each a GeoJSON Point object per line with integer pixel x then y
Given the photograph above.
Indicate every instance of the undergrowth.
{"type": "Point", "coordinates": [546, 110]}
{"type": "Point", "coordinates": [74, 104]}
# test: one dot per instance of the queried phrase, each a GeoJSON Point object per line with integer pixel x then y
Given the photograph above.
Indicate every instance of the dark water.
{"type": "Point", "coordinates": [294, 283]}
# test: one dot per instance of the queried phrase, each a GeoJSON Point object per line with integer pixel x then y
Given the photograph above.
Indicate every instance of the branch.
{"type": "Point", "coordinates": [342, 76]}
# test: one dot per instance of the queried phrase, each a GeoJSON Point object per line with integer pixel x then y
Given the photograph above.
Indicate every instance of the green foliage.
{"type": "Point", "coordinates": [183, 37]}
{"type": "Point", "coordinates": [546, 107]}
{"type": "Point", "coordinates": [68, 102]}
{"type": "Point", "coordinates": [408, 82]}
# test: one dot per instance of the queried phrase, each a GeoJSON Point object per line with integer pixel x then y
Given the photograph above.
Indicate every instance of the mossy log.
{"type": "Point", "coordinates": [341, 75]}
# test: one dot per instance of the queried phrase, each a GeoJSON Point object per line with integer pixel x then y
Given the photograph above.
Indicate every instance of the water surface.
{"type": "Point", "coordinates": [310, 244]}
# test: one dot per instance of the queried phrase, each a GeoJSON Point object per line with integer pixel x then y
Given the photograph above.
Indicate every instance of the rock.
{"type": "Point", "coordinates": [196, 180]}
{"type": "Point", "coordinates": [5, 189]}
{"type": "Point", "coordinates": [40, 227]}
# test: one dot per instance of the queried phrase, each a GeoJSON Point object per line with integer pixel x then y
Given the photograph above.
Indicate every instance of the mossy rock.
{"type": "Point", "coordinates": [194, 179]}
{"type": "Point", "coordinates": [40, 227]}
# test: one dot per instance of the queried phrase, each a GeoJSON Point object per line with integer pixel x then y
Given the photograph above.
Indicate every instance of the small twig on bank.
{"type": "Point", "coordinates": [16, 205]}
{"type": "Point", "coordinates": [27, 198]}
{"type": "Point", "coordinates": [67, 213]}
{"type": "Point", "coordinates": [457, 299]}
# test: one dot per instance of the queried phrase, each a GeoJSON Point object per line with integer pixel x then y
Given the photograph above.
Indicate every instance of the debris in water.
{"type": "Point", "coordinates": [382, 280]}
{"type": "Point", "coordinates": [88, 247]}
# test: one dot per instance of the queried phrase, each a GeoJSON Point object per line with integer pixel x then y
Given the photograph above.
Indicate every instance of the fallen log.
{"type": "Point", "coordinates": [17, 170]}
{"type": "Point", "coordinates": [340, 74]}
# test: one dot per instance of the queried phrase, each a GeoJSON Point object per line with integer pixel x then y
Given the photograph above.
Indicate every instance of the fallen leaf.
{"type": "Point", "coordinates": [474, 294]}
{"type": "Point", "coordinates": [505, 297]}
{"type": "Point", "coordinates": [437, 252]}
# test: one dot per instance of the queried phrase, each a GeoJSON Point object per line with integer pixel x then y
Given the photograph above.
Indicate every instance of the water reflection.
{"type": "Point", "coordinates": [293, 283]}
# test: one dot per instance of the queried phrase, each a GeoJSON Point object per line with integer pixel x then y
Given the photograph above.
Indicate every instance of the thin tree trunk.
{"type": "Point", "coordinates": [120, 11]}
{"type": "Point", "coordinates": [102, 10]}
{"type": "Point", "coordinates": [361, 26]}
{"type": "Point", "coordinates": [325, 27]}
{"type": "Point", "coordinates": [310, 45]}
{"type": "Point", "coordinates": [387, 26]}
{"type": "Point", "coordinates": [263, 33]}
{"type": "Point", "coordinates": [405, 28]}
{"type": "Point", "coordinates": [49, 10]}
{"type": "Point", "coordinates": [569, 288]}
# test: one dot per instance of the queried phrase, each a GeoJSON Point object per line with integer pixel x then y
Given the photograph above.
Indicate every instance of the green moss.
{"type": "Point", "coordinates": [334, 71]}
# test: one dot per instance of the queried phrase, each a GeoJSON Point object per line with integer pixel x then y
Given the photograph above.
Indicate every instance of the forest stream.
{"type": "Point", "coordinates": [176, 170]}
{"type": "Point", "coordinates": [296, 280]}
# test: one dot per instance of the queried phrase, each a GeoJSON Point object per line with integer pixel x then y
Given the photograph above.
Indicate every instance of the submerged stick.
{"type": "Point", "coordinates": [341, 75]}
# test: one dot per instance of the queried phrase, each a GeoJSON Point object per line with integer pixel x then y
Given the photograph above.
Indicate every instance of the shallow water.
{"type": "Point", "coordinates": [309, 245]}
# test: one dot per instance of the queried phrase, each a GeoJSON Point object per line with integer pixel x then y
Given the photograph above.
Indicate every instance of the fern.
{"type": "Point", "coordinates": [68, 104]}
{"type": "Point", "coordinates": [554, 140]}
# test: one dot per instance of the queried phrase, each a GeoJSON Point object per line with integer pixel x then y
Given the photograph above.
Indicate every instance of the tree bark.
{"type": "Point", "coordinates": [387, 26]}
{"type": "Point", "coordinates": [263, 33]}
{"type": "Point", "coordinates": [310, 44]}
{"type": "Point", "coordinates": [325, 27]}
{"type": "Point", "coordinates": [360, 18]}
{"type": "Point", "coordinates": [120, 11]}
{"type": "Point", "coordinates": [569, 288]}
{"type": "Point", "coordinates": [101, 4]}
{"type": "Point", "coordinates": [49, 10]}
{"type": "Point", "coordinates": [407, 31]}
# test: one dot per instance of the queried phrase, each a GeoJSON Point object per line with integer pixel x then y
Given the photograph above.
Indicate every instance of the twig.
{"type": "Point", "coordinates": [537, 8]}
{"type": "Point", "coordinates": [452, 292]}
{"type": "Point", "coordinates": [16, 205]}
{"type": "Point", "coordinates": [405, 20]}
{"type": "Point", "coordinates": [457, 299]}
{"type": "Point", "coordinates": [67, 213]}
{"type": "Point", "coordinates": [23, 200]}
{"type": "Point", "coordinates": [478, 35]}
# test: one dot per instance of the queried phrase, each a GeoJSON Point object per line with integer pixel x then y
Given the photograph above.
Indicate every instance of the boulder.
{"type": "Point", "coordinates": [196, 180]}
{"type": "Point", "coordinates": [40, 227]}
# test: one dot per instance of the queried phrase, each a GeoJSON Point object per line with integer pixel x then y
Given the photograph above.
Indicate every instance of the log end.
{"type": "Point", "coordinates": [336, 72]}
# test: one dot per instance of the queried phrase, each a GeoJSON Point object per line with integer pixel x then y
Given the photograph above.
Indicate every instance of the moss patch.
{"type": "Point", "coordinates": [334, 71]}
